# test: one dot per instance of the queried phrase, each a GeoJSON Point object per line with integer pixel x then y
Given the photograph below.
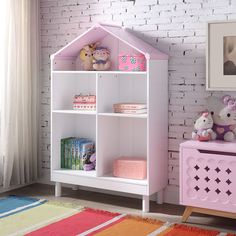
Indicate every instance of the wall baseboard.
{"type": "Point", "coordinates": [4, 190]}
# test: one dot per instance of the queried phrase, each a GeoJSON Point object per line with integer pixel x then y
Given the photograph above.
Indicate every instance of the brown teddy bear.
{"type": "Point", "coordinates": [86, 55]}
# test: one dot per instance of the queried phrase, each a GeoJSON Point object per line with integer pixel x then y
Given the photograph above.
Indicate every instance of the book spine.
{"type": "Point", "coordinates": [73, 154]}
{"type": "Point", "coordinates": [62, 153]}
{"type": "Point", "coordinates": [127, 111]}
{"type": "Point", "coordinates": [129, 106]}
{"type": "Point", "coordinates": [70, 154]}
{"type": "Point", "coordinates": [77, 155]}
{"type": "Point", "coordinates": [66, 153]}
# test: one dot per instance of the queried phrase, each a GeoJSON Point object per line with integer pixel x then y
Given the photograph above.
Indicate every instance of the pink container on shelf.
{"type": "Point", "coordinates": [130, 168]}
{"type": "Point", "coordinates": [132, 62]}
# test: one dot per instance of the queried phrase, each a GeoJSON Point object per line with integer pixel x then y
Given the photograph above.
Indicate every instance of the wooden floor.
{"type": "Point", "coordinates": [165, 212]}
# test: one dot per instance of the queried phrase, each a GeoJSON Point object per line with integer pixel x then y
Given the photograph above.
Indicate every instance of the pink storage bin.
{"type": "Point", "coordinates": [130, 168]}
{"type": "Point", "coordinates": [134, 62]}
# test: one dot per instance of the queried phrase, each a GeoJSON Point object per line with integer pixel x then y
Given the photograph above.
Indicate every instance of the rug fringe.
{"type": "Point", "coordinates": [196, 230]}
{"type": "Point", "coordinates": [101, 211]}
{"type": "Point", "coordinates": [146, 220]}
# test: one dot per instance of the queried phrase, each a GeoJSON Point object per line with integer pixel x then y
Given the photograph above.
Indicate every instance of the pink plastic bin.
{"type": "Point", "coordinates": [135, 62]}
{"type": "Point", "coordinates": [130, 168]}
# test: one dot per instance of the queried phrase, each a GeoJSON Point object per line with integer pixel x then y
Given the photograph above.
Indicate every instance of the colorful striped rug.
{"type": "Point", "coordinates": [33, 217]}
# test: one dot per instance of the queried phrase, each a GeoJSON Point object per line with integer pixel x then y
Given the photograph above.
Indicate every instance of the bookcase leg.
{"type": "Point", "coordinates": [57, 189]}
{"type": "Point", "coordinates": [145, 203]}
{"type": "Point", "coordinates": [160, 197]}
{"type": "Point", "coordinates": [187, 213]}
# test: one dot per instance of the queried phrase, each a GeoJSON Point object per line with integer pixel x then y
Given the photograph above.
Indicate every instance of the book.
{"type": "Point", "coordinates": [77, 160]}
{"type": "Point", "coordinates": [130, 111]}
{"type": "Point", "coordinates": [73, 167]}
{"type": "Point", "coordinates": [75, 152]}
{"type": "Point", "coordinates": [130, 106]}
{"type": "Point", "coordinates": [63, 152]}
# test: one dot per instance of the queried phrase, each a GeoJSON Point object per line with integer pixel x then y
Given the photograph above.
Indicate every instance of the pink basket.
{"type": "Point", "coordinates": [135, 62]}
{"type": "Point", "coordinates": [130, 168]}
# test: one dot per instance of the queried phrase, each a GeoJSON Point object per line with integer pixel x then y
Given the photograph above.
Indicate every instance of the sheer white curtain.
{"type": "Point", "coordinates": [19, 92]}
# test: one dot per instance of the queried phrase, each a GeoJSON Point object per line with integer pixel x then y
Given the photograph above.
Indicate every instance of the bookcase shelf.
{"type": "Point", "coordinates": [101, 72]}
{"type": "Point", "coordinates": [139, 116]}
{"type": "Point", "coordinates": [91, 173]}
{"type": "Point", "coordinates": [74, 112]}
{"type": "Point", "coordinates": [114, 134]}
{"type": "Point", "coordinates": [110, 177]}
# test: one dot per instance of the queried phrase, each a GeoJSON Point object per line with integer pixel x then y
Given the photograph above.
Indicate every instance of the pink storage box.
{"type": "Point", "coordinates": [135, 62]}
{"type": "Point", "coordinates": [130, 168]}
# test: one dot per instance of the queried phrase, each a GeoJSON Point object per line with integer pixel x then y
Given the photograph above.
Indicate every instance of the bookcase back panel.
{"type": "Point", "coordinates": [70, 125]}
{"type": "Point", "coordinates": [65, 86]}
{"type": "Point", "coordinates": [120, 137]}
{"type": "Point", "coordinates": [119, 89]}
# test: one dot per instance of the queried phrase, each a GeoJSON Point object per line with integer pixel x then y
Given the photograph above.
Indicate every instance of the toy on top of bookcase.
{"type": "Point", "coordinates": [101, 59]}
{"type": "Point", "coordinates": [86, 55]}
{"type": "Point", "coordinates": [203, 128]}
{"type": "Point", "coordinates": [223, 111]}
{"type": "Point", "coordinates": [132, 62]}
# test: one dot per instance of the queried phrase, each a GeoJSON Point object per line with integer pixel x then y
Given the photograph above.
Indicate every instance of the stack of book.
{"type": "Point", "coordinates": [130, 108]}
{"type": "Point", "coordinates": [76, 153]}
{"type": "Point", "coordinates": [84, 102]}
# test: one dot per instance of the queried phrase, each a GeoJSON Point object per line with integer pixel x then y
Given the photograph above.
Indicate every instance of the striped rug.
{"type": "Point", "coordinates": [34, 217]}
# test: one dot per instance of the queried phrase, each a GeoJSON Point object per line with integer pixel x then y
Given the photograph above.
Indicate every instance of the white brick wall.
{"type": "Point", "coordinates": [177, 27]}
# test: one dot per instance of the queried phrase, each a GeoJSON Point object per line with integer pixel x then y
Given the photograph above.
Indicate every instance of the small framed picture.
{"type": "Point", "coordinates": [221, 56]}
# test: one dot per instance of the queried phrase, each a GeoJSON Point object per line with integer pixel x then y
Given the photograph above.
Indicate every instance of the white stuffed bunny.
{"type": "Point", "coordinates": [223, 112]}
{"type": "Point", "coordinates": [203, 128]}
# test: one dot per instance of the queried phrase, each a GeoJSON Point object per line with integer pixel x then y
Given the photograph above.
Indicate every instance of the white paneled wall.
{"type": "Point", "coordinates": [177, 27]}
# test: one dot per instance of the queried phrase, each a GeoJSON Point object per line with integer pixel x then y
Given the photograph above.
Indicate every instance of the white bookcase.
{"type": "Point", "coordinates": [115, 134]}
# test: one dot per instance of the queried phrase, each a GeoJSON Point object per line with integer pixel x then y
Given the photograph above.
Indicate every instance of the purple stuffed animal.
{"type": "Point", "coordinates": [92, 164]}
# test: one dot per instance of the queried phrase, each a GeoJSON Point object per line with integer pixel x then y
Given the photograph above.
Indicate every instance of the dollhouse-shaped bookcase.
{"type": "Point", "coordinates": [115, 134]}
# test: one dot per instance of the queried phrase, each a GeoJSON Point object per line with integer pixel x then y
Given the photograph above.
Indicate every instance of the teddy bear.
{"type": "Point", "coordinates": [86, 55]}
{"type": "Point", "coordinates": [101, 59]}
{"type": "Point", "coordinates": [203, 128]}
{"type": "Point", "coordinates": [223, 111]}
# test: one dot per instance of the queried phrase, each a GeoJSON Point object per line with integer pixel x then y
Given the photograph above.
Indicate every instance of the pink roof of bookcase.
{"type": "Point", "coordinates": [99, 31]}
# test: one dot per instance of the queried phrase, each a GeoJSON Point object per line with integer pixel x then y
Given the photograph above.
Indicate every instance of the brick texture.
{"type": "Point", "coordinates": [177, 27]}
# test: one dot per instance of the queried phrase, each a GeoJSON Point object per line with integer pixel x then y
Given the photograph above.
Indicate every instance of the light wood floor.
{"type": "Point", "coordinates": [165, 212]}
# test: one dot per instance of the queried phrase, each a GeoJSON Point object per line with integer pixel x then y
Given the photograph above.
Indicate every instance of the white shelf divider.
{"type": "Point", "coordinates": [75, 112]}
{"type": "Point", "coordinates": [100, 72]}
{"type": "Point", "coordinates": [141, 116]}
{"type": "Point", "coordinates": [110, 177]}
{"type": "Point", "coordinates": [91, 173]}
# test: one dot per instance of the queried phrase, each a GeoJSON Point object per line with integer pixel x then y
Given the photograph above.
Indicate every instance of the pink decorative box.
{"type": "Point", "coordinates": [84, 102]}
{"type": "Point", "coordinates": [135, 62]}
{"type": "Point", "coordinates": [130, 168]}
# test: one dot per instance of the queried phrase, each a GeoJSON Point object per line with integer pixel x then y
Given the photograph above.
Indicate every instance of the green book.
{"type": "Point", "coordinates": [63, 152]}
{"type": "Point", "coordinates": [77, 160]}
{"type": "Point", "coordinates": [69, 155]}
{"type": "Point", "coordinates": [73, 163]}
